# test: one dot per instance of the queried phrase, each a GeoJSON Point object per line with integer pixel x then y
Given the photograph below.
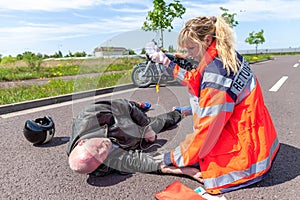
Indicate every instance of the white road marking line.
{"type": "Point", "coordinates": [279, 83]}
{"type": "Point", "coordinates": [296, 65]}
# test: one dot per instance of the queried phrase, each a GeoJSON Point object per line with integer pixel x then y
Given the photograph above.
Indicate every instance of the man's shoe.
{"type": "Point", "coordinates": [185, 110]}
{"type": "Point", "coordinates": [145, 106]}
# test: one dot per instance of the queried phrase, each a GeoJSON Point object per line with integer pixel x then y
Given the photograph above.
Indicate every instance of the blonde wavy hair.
{"type": "Point", "coordinates": [197, 28]}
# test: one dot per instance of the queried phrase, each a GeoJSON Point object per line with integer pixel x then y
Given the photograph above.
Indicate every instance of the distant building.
{"type": "Point", "coordinates": [110, 51]}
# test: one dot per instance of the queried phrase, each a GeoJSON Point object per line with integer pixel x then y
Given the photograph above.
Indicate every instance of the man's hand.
{"type": "Point", "coordinates": [149, 135]}
{"type": "Point", "coordinates": [189, 171]}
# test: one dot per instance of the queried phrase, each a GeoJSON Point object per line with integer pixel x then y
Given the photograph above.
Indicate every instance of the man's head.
{"type": "Point", "coordinates": [89, 154]}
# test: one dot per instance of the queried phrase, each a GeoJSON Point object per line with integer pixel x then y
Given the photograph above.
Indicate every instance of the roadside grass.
{"type": "Point", "coordinates": [257, 58]}
{"type": "Point", "coordinates": [56, 87]}
{"type": "Point", "coordinates": [50, 69]}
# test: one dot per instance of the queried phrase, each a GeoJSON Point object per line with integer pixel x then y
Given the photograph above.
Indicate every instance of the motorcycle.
{"type": "Point", "coordinates": [146, 73]}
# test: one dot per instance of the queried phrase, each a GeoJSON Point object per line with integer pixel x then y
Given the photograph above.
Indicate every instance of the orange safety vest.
{"type": "Point", "coordinates": [234, 139]}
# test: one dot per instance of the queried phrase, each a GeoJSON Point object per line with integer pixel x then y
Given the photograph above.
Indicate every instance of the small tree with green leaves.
{"type": "Point", "coordinates": [171, 49]}
{"type": "Point", "coordinates": [32, 60]}
{"type": "Point", "coordinates": [256, 38]}
{"type": "Point", "coordinates": [131, 52]}
{"type": "Point", "coordinates": [229, 17]}
{"type": "Point", "coordinates": [162, 16]}
{"type": "Point", "coordinates": [79, 54]}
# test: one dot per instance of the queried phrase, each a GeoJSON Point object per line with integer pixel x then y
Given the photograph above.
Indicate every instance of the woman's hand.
{"type": "Point", "coordinates": [158, 56]}
{"type": "Point", "coordinates": [189, 171]}
{"type": "Point", "coordinates": [193, 172]}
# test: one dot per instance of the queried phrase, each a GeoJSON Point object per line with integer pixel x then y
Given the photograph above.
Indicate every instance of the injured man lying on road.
{"type": "Point", "coordinates": [107, 137]}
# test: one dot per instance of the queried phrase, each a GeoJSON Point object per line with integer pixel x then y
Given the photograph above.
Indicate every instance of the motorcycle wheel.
{"type": "Point", "coordinates": [140, 78]}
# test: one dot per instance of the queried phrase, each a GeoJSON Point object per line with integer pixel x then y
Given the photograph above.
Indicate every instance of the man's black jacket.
{"type": "Point", "coordinates": [123, 123]}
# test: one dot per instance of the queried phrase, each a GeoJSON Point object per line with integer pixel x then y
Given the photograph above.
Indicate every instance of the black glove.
{"type": "Point", "coordinates": [186, 63]}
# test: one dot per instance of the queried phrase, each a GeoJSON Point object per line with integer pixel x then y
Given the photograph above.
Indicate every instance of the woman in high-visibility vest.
{"type": "Point", "coordinates": [234, 142]}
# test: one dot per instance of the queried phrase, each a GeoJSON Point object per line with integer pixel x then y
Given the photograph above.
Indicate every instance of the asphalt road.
{"type": "Point", "coordinates": [42, 172]}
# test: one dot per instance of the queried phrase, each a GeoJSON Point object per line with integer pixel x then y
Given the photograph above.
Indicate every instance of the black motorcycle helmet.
{"type": "Point", "coordinates": [40, 130]}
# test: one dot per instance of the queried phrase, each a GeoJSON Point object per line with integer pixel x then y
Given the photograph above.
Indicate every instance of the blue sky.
{"type": "Point", "coordinates": [46, 26]}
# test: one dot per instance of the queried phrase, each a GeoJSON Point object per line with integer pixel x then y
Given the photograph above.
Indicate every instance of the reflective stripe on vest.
{"type": "Point", "coordinates": [180, 75]}
{"type": "Point", "coordinates": [214, 110]}
{"type": "Point", "coordinates": [217, 79]}
{"type": "Point", "coordinates": [237, 175]}
{"type": "Point", "coordinates": [177, 156]}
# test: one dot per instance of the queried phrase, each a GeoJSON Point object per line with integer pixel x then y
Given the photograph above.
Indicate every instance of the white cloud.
{"type": "Point", "coordinates": [45, 5]}
{"type": "Point", "coordinates": [247, 10]}
{"type": "Point", "coordinates": [46, 32]}
{"type": "Point", "coordinates": [58, 5]}
{"type": "Point", "coordinates": [131, 10]}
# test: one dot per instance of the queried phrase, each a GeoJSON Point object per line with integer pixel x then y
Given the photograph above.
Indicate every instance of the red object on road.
{"type": "Point", "coordinates": [178, 191]}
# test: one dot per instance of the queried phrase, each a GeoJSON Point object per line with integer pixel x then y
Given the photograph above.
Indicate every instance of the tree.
{"type": "Point", "coordinates": [229, 18]}
{"type": "Point", "coordinates": [57, 55]}
{"type": "Point", "coordinates": [32, 60]}
{"type": "Point", "coordinates": [79, 54]}
{"type": "Point", "coordinates": [131, 52]}
{"type": "Point", "coordinates": [256, 38]}
{"type": "Point", "coordinates": [171, 49]}
{"type": "Point", "coordinates": [162, 16]}
{"type": "Point", "coordinates": [143, 51]}
{"type": "Point", "coordinates": [19, 57]}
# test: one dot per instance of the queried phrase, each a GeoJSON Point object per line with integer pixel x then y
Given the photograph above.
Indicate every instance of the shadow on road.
{"type": "Point", "coordinates": [56, 141]}
{"type": "Point", "coordinates": [111, 179]}
{"type": "Point", "coordinates": [285, 167]}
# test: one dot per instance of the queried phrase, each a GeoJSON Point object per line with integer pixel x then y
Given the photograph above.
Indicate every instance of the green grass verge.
{"type": "Point", "coordinates": [256, 58]}
{"type": "Point", "coordinates": [57, 87]}
{"type": "Point", "coordinates": [64, 68]}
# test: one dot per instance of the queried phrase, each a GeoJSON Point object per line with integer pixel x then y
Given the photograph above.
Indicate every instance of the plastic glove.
{"type": "Point", "coordinates": [157, 55]}
{"type": "Point", "coordinates": [160, 57]}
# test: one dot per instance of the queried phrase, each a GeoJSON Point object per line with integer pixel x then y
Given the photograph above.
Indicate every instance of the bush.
{"type": "Point", "coordinates": [33, 61]}
{"type": "Point", "coordinates": [8, 60]}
